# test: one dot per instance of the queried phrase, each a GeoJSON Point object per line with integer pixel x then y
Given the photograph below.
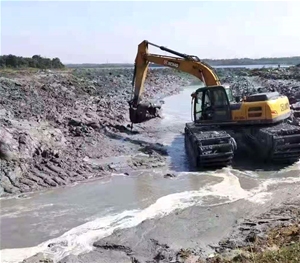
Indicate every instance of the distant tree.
{"type": "Point", "coordinates": [36, 61]}
{"type": "Point", "coordinates": [11, 61]}
{"type": "Point", "coordinates": [2, 61]}
{"type": "Point", "coordinates": [248, 61]}
{"type": "Point", "coordinates": [56, 63]}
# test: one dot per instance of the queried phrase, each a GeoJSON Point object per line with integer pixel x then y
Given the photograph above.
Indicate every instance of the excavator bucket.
{"type": "Point", "coordinates": [143, 112]}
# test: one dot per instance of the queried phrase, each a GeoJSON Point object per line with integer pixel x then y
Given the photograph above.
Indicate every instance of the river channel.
{"type": "Point", "coordinates": [77, 215]}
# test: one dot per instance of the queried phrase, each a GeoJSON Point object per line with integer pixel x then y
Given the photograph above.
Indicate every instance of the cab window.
{"type": "Point", "coordinates": [198, 105]}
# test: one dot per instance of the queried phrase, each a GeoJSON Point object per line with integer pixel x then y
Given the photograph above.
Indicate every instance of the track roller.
{"type": "Point", "coordinates": [208, 148]}
{"type": "Point", "coordinates": [282, 142]}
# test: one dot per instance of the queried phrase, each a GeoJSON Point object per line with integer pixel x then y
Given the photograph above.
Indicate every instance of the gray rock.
{"type": "Point", "coordinates": [38, 258]}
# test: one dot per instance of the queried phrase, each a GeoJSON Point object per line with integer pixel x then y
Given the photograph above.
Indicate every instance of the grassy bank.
{"type": "Point", "coordinates": [281, 245]}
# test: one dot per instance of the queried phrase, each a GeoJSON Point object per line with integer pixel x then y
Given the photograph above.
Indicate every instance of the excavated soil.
{"type": "Point", "coordinates": [53, 122]}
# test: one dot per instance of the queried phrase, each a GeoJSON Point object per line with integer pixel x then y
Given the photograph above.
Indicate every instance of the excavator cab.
{"type": "Point", "coordinates": [211, 104]}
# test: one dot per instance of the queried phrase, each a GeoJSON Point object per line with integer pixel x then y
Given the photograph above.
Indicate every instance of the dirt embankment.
{"type": "Point", "coordinates": [51, 121]}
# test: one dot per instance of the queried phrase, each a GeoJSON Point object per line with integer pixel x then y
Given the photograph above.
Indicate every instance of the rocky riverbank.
{"type": "Point", "coordinates": [52, 121]}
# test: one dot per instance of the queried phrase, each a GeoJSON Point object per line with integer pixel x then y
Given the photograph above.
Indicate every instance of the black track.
{"type": "Point", "coordinates": [208, 148]}
{"type": "Point", "coordinates": [214, 147]}
{"type": "Point", "coordinates": [283, 142]}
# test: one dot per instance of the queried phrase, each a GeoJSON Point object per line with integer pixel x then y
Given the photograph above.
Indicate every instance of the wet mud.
{"type": "Point", "coordinates": [58, 128]}
{"type": "Point", "coordinates": [52, 122]}
{"type": "Point", "coordinates": [199, 232]}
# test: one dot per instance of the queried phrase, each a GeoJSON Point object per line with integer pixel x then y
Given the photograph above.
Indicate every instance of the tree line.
{"type": "Point", "coordinates": [213, 62]}
{"type": "Point", "coordinates": [36, 61]}
{"type": "Point", "coordinates": [259, 61]}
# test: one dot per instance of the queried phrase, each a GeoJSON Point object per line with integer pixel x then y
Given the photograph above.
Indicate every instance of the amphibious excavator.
{"type": "Point", "coordinates": [222, 124]}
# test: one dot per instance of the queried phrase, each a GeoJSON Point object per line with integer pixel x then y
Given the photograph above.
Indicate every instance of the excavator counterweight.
{"type": "Point", "coordinates": [221, 125]}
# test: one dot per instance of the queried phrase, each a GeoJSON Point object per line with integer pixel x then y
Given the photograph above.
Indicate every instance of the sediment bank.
{"type": "Point", "coordinates": [53, 121]}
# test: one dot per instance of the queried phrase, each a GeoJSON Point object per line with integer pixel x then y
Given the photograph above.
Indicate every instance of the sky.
{"type": "Point", "coordinates": [109, 32]}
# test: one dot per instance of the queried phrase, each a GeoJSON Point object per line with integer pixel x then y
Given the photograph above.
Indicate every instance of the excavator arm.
{"type": "Point", "coordinates": [185, 63]}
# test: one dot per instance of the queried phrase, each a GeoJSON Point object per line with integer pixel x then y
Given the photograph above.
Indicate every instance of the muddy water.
{"type": "Point", "coordinates": [70, 219]}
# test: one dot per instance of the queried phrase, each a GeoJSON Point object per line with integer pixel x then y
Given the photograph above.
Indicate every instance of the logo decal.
{"type": "Point", "coordinates": [284, 107]}
{"type": "Point", "coordinates": [171, 64]}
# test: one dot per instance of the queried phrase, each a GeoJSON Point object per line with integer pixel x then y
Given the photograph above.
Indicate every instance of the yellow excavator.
{"type": "Point", "coordinates": [221, 124]}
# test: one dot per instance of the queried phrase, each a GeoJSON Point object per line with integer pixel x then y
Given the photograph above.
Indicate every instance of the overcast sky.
{"type": "Point", "coordinates": [100, 32]}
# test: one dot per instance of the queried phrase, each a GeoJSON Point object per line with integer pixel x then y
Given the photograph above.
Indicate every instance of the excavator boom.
{"type": "Point", "coordinates": [185, 63]}
{"type": "Point", "coordinates": [221, 127]}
